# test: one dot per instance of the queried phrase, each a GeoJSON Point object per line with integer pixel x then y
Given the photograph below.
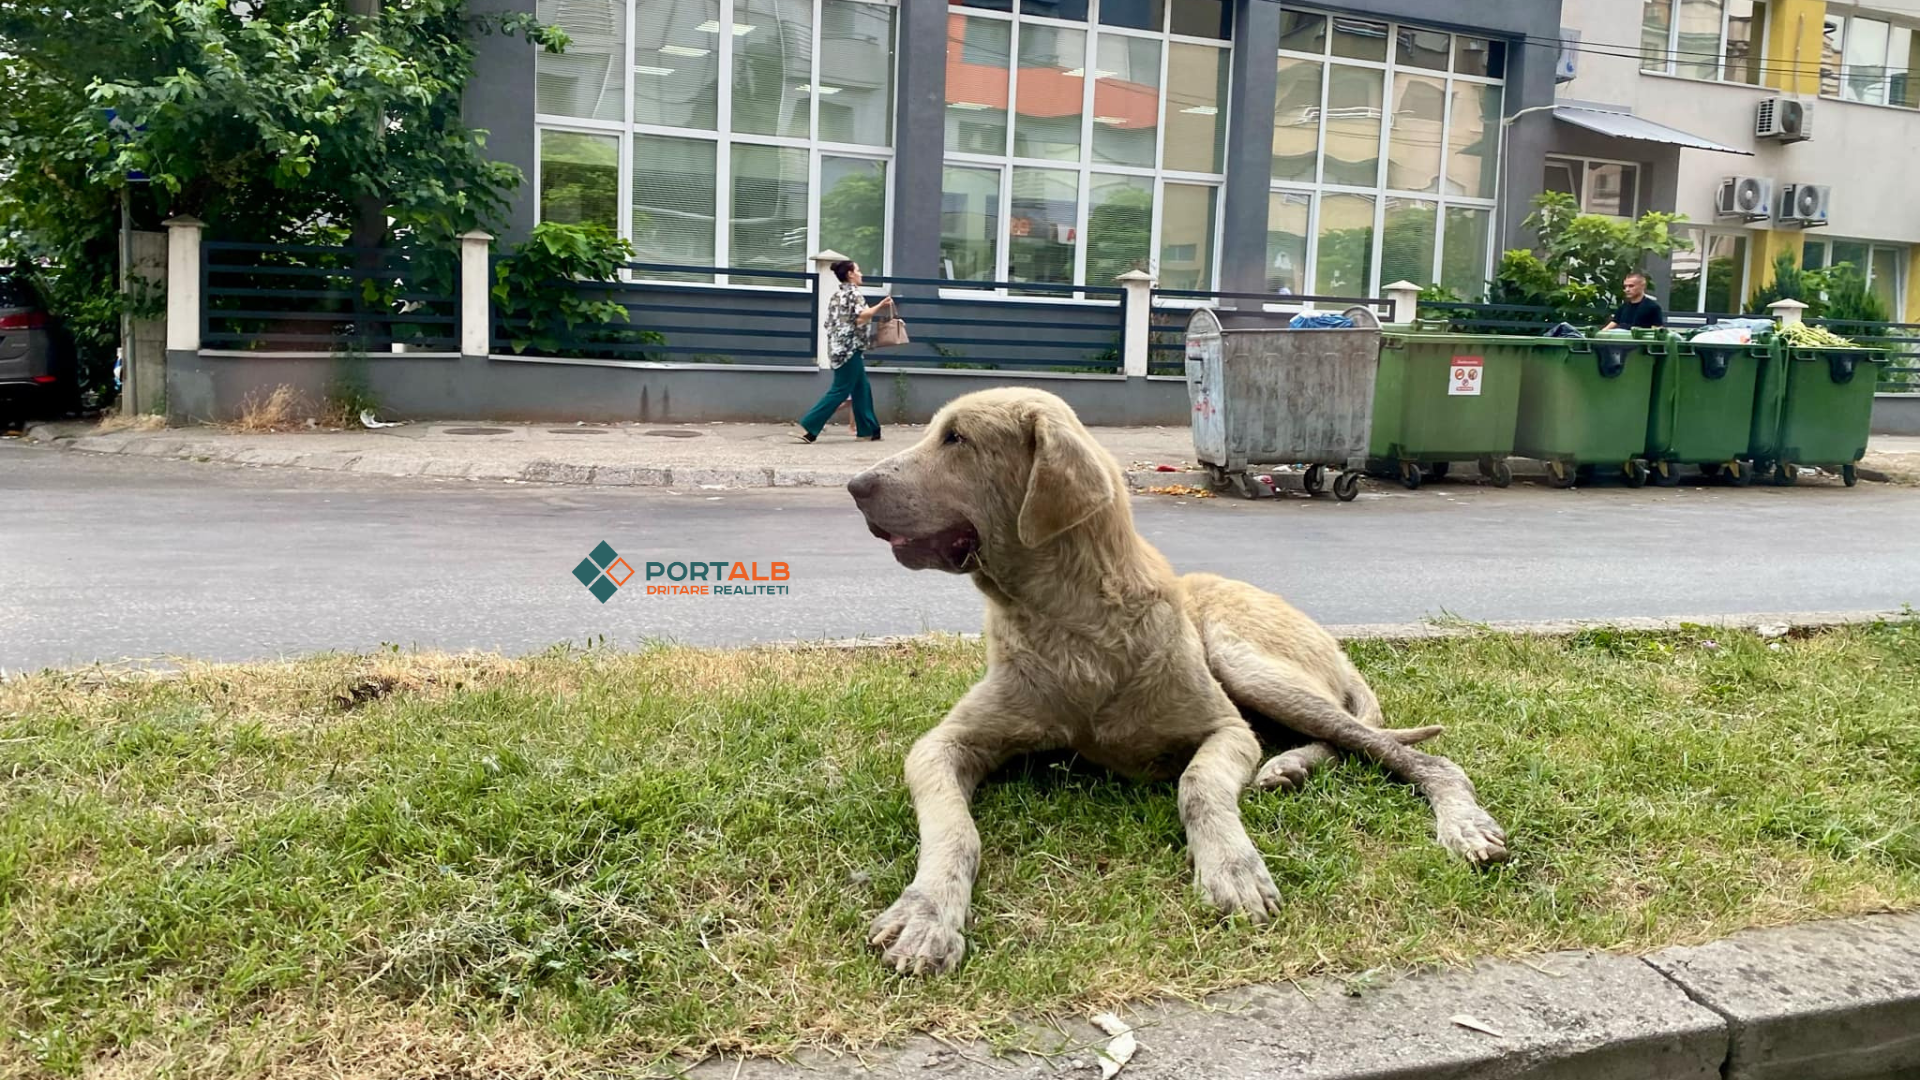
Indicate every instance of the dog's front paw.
{"type": "Point", "coordinates": [1238, 883]}
{"type": "Point", "coordinates": [918, 938]}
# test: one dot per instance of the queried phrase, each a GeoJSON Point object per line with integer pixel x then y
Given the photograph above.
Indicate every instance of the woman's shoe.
{"type": "Point", "coordinates": [869, 438]}
{"type": "Point", "coordinates": [803, 436]}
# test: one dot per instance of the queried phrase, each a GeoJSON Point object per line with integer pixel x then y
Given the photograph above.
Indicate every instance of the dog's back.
{"type": "Point", "coordinates": [1284, 634]}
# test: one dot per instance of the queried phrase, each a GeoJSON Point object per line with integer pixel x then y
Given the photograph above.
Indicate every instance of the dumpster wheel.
{"type": "Point", "coordinates": [1636, 472]}
{"type": "Point", "coordinates": [1410, 475]}
{"type": "Point", "coordinates": [1784, 474]}
{"type": "Point", "coordinates": [1849, 475]}
{"type": "Point", "coordinates": [1498, 472]}
{"type": "Point", "coordinates": [1561, 473]}
{"type": "Point", "coordinates": [1316, 480]}
{"type": "Point", "coordinates": [1248, 486]}
{"type": "Point", "coordinates": [1346, 487]}
{"type": "Point", "coordinates": [1741, 472]}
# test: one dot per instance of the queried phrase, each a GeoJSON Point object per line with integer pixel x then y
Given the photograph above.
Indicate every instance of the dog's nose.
{"type": "Point", "coordinates": [863, 486]}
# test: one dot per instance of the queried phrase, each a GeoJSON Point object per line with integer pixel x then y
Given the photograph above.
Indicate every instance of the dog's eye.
{"type": "Point", "coordinates": [954, 438]}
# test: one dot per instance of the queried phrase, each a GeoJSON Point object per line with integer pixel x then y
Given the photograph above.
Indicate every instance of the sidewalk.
{"type": "Point", "coordinates": [661, 455]}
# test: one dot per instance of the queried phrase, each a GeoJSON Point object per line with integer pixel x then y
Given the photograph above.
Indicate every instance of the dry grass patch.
{"type": "Point", "coordinates": [580, 862]}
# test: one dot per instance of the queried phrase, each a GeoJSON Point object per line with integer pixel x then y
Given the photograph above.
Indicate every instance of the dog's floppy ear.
{"type": "Point", "coordinates": [1069, 483]}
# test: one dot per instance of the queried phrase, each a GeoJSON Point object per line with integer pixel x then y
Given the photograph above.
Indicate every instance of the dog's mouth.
{"type": "Point", "coordinates": [955, 549]}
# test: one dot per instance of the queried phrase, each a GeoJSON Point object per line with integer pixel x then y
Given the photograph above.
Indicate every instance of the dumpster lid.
{"type": "Point", "coordinates": [1210, 320]}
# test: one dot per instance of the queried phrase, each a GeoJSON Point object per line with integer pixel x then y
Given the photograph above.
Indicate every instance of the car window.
{"type": "Point", "coordinates": [15, 293]}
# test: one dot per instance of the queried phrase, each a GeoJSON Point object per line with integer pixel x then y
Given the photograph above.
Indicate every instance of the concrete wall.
{"type": "Point", "coordinates": [1896, 414]}
{"type": "Point", "coordinates": [203, 388]}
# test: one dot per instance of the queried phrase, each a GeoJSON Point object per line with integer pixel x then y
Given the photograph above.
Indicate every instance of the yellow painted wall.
{"type": "Point", "coordinates": [1762, 246]}
{"type": "Point", "coordinates": [1912, 313]}
{"type": "Point", "coordinates": [1793, 45]}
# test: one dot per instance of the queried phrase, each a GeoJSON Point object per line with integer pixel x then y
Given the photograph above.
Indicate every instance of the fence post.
{"type": "Point", "coordinates": [1406, 301]}
{"type": "Point", "coordinates": [1136, 333]}
{"type": "Point", "coordinates": [1787, 312]}
{"type": "Point", "coordinates": [476, 312]}
{"type": "Point", "coordinates": [824, 285]}
{"type": "Point", "coordinates": [183, 284]}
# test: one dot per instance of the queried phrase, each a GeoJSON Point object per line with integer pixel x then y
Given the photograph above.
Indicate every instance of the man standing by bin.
{"type": "Point", "coordinates": [1640, 312]}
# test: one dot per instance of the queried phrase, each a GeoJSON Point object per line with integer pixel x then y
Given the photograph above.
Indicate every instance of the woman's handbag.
{"type": "Point", "coordinates": [889, 331]}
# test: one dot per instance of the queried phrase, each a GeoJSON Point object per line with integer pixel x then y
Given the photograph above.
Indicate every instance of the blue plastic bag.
{"type": "Point", "coordinates": [1321, 322]}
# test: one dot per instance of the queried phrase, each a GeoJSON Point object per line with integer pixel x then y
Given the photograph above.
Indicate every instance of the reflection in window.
{"type": "Point", "coordinates": [589, 79]}
{"type": "Point", "coordinates": [1358, 40]}
{"type": "Point", "coordinates": [768, 226]}
{"type": "Point", "coordinates": [1866, 58]}
{"type": "Point", "coordinates": [1126, 101]}
{"type": "Point", "coordinates": [1656, 26]}
{"type": "Point", "coordinates": [1041, 231]}
{"type": "Point", "coordinates": [1413, 148]}
{"type": "Point", "coordinates": [1051, 88]}
{"type": "Point", "coordinates": [1726, 265]}
{"type": "Point", "coordinates": [1197, 78]}
{"type": "Point", "coordinates": [853, 209]}
{"type": "Point", "coordinates": [772, 64]}
{"type": "Point", "coordinates": [676, 64]}
{"type": "Point", "coordinates": [1475, 140]}
{"type": "Point", "coordinates": [1186, 236]}
{"type": "Point", "coordinates": [1407, 242]}
{"type": "Point", "coordinates": [969, 223]}
{"type": "Point", "coordinates": [580, 179]}
{"type": "Point", "coordinates": [1303, 32]}
{"type": "Point", "coordinates": [1287, 221]}
{"type": "Point", "coordinates": [1611, 189]}
{"type": "Point", "coordinates": [856, 73]}
{"type": "Point", "coordinates": [1345, 263]}
{"type": "Point", "coordinates": [1353, 125]}
{"type": "Point", "coordinates": [978, 54]}
{"type": "Point", "coordinates": [1423, 49]}
{"type": "Point", "coordinates": [673, 196]}
{"type": "Point", "coordinates": [1296, 120]}
{"type": "Point", "coordinates": [1119, 226]}
{"type": "Point", "coordinates": [1463, 266]}
{"type": "Point", "coordinates": [1697, 52]}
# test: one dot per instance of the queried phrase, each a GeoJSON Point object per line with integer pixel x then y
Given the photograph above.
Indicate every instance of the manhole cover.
{"type": "Point", "coordinates": [576, 431]}
{"type": "Point", "coordinates": [479, 431]}
{"type": "Point", "coordinates": [675, 433]}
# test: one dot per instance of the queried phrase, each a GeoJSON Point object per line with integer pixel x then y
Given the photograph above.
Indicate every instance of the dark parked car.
{"type": "Point", "coordinates": [37, 371]}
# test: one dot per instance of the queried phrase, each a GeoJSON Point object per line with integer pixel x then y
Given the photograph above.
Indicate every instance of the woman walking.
{"type": "Point", "coordinates": [848, 323]}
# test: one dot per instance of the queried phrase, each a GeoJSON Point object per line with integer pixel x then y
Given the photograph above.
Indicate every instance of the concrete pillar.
{"type": "Point", "coordinates": [1243, 249]}
{"type": "Point", "coordinates": [476, 303]}
{"type": "Point", "coordinates": [143, 373]}
{"type": "Point", "coordinates": [1137, 331]}
{"type": "Point", "coordinates": [501, 103]}
{"type": "Point", "coordinates": [1405, 296]}
{"type": "Point", "coordinates": [919, 140]}
{"type": "Point", "coordinates": [1787, 312]}
{"type": "Point", "coordinates": [825, 284]}
{"type": "Point", "coordinates": [183, 284]}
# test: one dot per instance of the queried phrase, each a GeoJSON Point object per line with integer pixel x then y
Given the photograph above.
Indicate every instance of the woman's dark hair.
{"type": "Point", "coordinates": [842, 268]}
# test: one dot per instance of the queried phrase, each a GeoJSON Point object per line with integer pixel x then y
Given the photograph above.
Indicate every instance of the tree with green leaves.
{"type": "Point", "coordinates": [1582, 259]}
{"type": "Point", "coordinates": [300, 121]}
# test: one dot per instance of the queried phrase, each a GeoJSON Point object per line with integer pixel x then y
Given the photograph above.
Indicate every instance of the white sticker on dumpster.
{"type": "Point", "coordinates": [1464, 376]}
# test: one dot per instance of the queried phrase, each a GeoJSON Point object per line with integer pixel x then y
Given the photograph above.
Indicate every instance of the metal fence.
{"type": "Point", "coordinates": [667, 322]}
{"type": "Point", "coordinates": [1167, 341]}
{"type": "Point", "coordinates": [1900, 340]}
{"type": "Point", "coordinates": [309, 298]}
{"type": "Point", "coordinates": [1523, 319]}
{"type": "Point", "coordinates": [1007, 326]}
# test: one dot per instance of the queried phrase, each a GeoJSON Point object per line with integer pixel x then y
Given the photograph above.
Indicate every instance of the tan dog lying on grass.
{"type": "Point", "coordinates": [1094, 645]}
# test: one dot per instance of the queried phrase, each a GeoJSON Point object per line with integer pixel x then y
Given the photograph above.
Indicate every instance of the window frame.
{"type": "Point", "coordinates": [724, 138]}
{"type": "Point", "coordinates": [1085, 165]}
{"type": "Point", "coordinates": [1701, 235]}
{"type": "Point", "coordinates": [1586, 188]}
{"type": "Point", "coordinates": [1380, 192]}
{"type": "Point", "coordinates": [1902, 254]}
{"type": "Point", "coordinates": [1670, 58]}
{"type": "Point", "coordinates": [1846, 17]}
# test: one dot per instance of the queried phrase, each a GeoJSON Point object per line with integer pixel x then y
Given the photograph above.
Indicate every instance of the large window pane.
{"type": "Point", "coordinates": [1463, 266]}
{"type": "Point", "coordinates": [1566, 177]}
{"type": "Point", "coordinates": [1406, 241]}
{"type": "Point", "coordinates": [1474, 140]}
{"type": "Point", "coordinates": [1065, 10]}
{"type": "Point", "coordinates": [1866, 59]}
{"type": "Point", "coordinates": [1656, 25]}
{"type": "Point", "coordinates": [1478, 56]}
{"type": "Point", "coordinates": [580, 179]}
{"type": "Point", "coordinates": [1423, 49]}
{"type": "Point", "coordinates": [673, 195]}
{"type": "Point", "coordinates": [1186, 236]}
{"type": "Point", "coordinates": [1813, 256]}
{"type": "Point", "coordinates": [590, 78]}
{"type": "Point", "coordinates": [1901, 86]}
{"type": "Point", "coordinates": [1851, 252]}
{"type": "Point", "coordinates": [772, 63]}
{"type": "Point", "coordinates": [1303, 32]}
{"type": "Point", "coordinates": [1886, 278]}
{"type": "Point", "coordinates": [1134, 14]}
{"type": "Point", "coordinates": [1413, 143]}
{"type": "Point", "coordinates": [1354, 100]}
{"type": "Point", "coordinates": [856, 73]}
{"type": "Point", "coordinates": [1296, 121]}
{"type": "Point", "coordinates": [1686, 273]}
{"type": "Point", "coordinates": [1726, 274]}
{"type": "Point", "coordinates": [769, 220]}
{"type": "Point", "coordinates": [1202, 18]}
{"type": "Point", "coordinates": [853, 210]}
{"type": "Point", "coordinates": [978, 54]}
{"type": "Point", "coordinates": [969, 223]}
{"type": "Point", "coordinates": [1746, 22]}
{"type": "Point", "coordinates": [1119, 226]}
{"type": "Point", "coordinates": [1197, 78]}
{"type": "Point", "coordinates": [1053, 82]}
{"type": "Point", "coordinates": [1612, 190]}
{"type": "Point", "coordinates": [1697, 53]}
{"type": "Point", "coordinates": [1126, 101]}
{"type": "Point", "coordinates": [1358, 40]}
{"type": "Point", "coordinates": [1287, 219]}
{"type": "Point", "coordinates": [1046, 209]}
{"type": "Point", "coordinates": [1344, 266]}
{"type": "Point", "coordinates": [676, 64]}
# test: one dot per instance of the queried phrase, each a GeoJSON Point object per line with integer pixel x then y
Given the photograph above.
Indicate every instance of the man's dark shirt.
{"type": "Point", "coordinates": [1642, 315]}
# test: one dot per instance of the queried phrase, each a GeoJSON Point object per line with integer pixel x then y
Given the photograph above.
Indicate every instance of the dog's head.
{"type": "Point", "coordinates": [999, 471]}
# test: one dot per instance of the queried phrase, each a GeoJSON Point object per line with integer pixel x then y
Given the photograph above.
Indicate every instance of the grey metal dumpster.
{"type": "Point", "coordinates": [1266, 394]}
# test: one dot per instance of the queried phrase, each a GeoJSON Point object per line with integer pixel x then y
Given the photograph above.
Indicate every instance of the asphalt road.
{"type": "Point", "coordinates": [108, 559]}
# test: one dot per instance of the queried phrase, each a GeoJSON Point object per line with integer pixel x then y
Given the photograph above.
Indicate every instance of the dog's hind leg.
{"type": "Point", "coordinates": [1255, 680]}
{"type": "Point", "coordinates": [1290, 771]}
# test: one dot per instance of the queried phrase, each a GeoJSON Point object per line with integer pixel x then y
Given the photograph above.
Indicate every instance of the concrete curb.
{"type": "Point", "coordinates": [1823, 1001]}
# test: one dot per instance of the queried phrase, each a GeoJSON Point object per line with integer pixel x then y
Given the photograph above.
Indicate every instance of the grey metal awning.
{"type": "Point", "coordinates": [1625, 125]}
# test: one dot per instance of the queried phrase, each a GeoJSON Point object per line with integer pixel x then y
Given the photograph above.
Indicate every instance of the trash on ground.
{"type": "Point", "coordinates": [367, 420]}
{"type": "Point", "coordinates": [1183, 489]}
{"type": "Point", "coordinates": [1477, 1025]}
{"type": "Point", "coordinates": [1120, 1050]}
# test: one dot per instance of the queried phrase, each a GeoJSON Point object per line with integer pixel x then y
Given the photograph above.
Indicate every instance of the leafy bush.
{"type": "Point", "coordinates": [1582, 259]}
{"type": "Point", "coordinates": [539, 306]}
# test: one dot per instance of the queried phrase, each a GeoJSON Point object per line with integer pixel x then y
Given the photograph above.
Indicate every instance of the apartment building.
{"type": "Point", "coordinates": [1220, 144]}
{"type": "Point", "coordinates": [1805, 114]}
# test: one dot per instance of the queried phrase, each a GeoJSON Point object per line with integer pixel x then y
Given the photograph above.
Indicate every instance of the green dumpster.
{"type": "Point", "coordinates": [1703, 406]}
{"type": "Point", "coordinates": [1815, 408]}
{"type": "Point", "coordinates": [1441, 398]}
{"type": "Point", "coordinates": [1584, 404]}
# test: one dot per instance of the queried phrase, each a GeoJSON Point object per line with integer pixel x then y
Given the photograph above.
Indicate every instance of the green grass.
{"type": "Point", "coordinates": [575, 863]}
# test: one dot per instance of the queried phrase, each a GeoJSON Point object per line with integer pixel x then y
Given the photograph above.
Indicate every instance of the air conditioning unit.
{"type": "Point", "coordinates": [1805, 205]}
{"type": "Point", "coordinates": [1789, 120]}
{"type": "Point", "coordinates": [1567, 68]}
{"type": "Point", "coordinates": [1749, 198]}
